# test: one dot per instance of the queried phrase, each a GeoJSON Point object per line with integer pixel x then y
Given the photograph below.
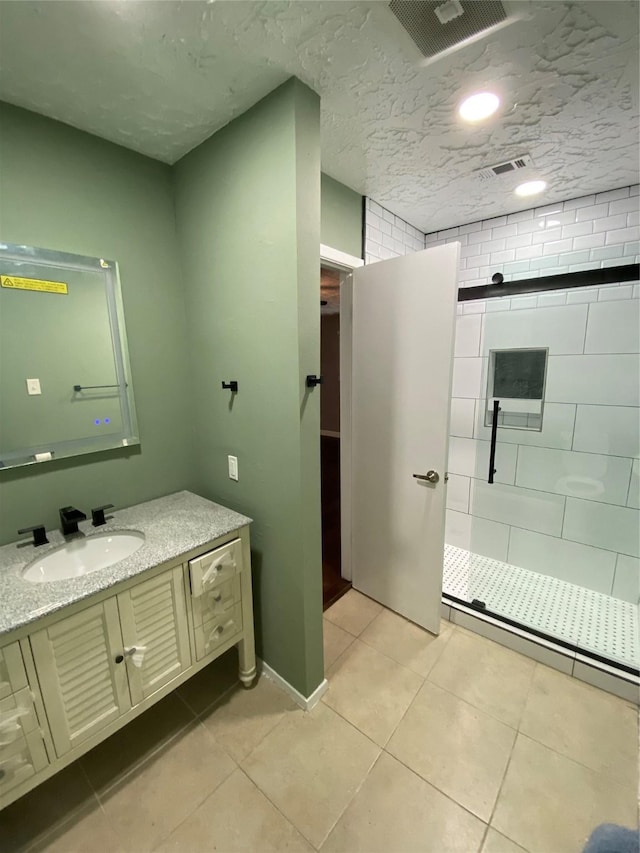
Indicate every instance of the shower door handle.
{"type": "Point", "coordinates": [494, 434]}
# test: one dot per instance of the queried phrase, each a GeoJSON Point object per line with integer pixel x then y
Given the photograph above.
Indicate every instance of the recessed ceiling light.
{"type": "Point", "coordinates": [531, 188]}
{"type": "Point", "coordinates": [479, 106]}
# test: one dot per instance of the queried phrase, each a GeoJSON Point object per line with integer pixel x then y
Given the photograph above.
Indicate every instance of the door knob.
{"type": "Point", "coordinates": [430, 477]}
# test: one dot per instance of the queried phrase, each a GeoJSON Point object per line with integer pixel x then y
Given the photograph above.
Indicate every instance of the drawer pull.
{"type": "Point", "coordinates": [215, 635]}
{"type": "Point", "coordinates": [9, 767]}
{"type": "Point", "coordinates": [10, 725]}
{"type": "Point", "coordinates": [227, 560]}
{"type": "Point", "coordinates": [217, 596]}
{"type": "Point", "coordinates": [9, 733]}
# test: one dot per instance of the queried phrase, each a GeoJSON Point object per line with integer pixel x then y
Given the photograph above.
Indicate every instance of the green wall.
{"type": "Point", "coordinates": [248, 216]}
{"type": "Point", "coordinates": [64, 189]}
{"type": "Point", "coordinates": [341, 226]}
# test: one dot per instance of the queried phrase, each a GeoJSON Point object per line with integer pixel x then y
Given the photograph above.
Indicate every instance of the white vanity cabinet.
{"type": "Point", "coordinates": [76, 677]}
{"type": "Point", "coordinates": [22, 744]}
{"type": "Point", "coordinates": [155, 633]}
{"type": "Point", "coordinates": [216, 597]}
{"type": "Point", "coordinates": [93, 666]}
{"type": "Point", "coordinates": [83, 688]}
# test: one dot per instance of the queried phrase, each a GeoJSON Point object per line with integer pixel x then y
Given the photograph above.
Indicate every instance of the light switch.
{"type": "Point", "coordinates": [33, 386]}
{"type": "Point", "coordinates": [233, 467]}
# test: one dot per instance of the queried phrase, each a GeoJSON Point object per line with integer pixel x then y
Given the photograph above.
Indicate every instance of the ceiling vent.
{"type": "Point", "coordinates": [442, 27]}
{"type": "Point", "coordinates": [504, 168]}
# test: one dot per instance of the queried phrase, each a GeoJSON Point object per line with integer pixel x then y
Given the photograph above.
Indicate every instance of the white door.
{"type": "Point", "coordinates": [403, 334]}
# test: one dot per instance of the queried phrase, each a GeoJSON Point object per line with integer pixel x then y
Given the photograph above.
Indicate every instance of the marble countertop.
{"type": "Point", "coordinates": [173, 526]}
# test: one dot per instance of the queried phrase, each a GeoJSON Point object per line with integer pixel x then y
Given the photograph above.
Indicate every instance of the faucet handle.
{"type": "Point", "coordinates": [97, 515]}
{"type": "Point", "coordinates": [39, 534]}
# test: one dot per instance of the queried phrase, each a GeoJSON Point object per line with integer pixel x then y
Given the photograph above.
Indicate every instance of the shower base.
{"type": "Point", "coordinates": [588, 620]}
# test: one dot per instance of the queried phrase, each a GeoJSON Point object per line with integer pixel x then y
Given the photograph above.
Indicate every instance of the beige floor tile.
{"type": "Point", "coordinates": [455, 746]}
{"type": "Point", "coordinates": [207, 686]}
{"type": "Point", "coordinates": [353, 612]}
{"type": "Point", "coordinates": [405, 642]}
{"type": "Point", "coordinates": [583, 723]}
{"type": "Point", "coordinates": [371, 691]}
{"type": "Point", "coordinates": [43, 810]}
{"type": "Point", "coordinates": [551, 803]}
{"type": "Point", "coordinates": [310, 766]}
{"type": "Point", "coordinates": [395, 810]}
{"type": "Point", "coordinates": [492, 678]}
{"type": "Point", "coordinates": [89, 832]}
{"type": "Point", "coordinates": [243, 717]}
{"type": "Point", "coordinates": [335, 641]}
{"type": "Point", "coordinates": [495, 842]}
{"type": "Point", "coordinates": [236, 818]}
{"type": "Point", "coordinates": [151, 802]}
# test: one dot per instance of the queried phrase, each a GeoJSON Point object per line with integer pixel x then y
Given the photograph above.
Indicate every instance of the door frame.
{"type": "Point", "coordinates": [344, 263]}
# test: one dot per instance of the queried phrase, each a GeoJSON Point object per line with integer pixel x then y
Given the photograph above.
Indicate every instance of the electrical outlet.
{"type": "Point", "coordinates": [33, 386]}
{"type": "Point", "coordinates": [233, 467]}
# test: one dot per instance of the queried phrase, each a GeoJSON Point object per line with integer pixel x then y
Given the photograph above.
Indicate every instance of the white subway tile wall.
{"type": "Point", "coordinates": [603, 229]}
{"type": "Point", "coordinates": [388, 236]}
{"type": "Point", "coordinates": [565, 499]}
{"type": "Point", "coordinates": [568, 495]}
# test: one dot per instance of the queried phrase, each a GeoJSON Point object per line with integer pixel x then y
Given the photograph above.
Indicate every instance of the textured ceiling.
{"type": "Point", "coordinates": [159, 77]}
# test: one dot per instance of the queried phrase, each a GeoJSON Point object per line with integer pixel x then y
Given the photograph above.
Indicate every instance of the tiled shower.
{"type": "Point", "coordinates": [564, 501]}
{"type": "Point", "coordinates": [554, 542]}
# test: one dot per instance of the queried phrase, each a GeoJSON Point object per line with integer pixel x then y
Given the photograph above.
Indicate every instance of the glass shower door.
{"type": "Point", "coordinates": [550, 537]}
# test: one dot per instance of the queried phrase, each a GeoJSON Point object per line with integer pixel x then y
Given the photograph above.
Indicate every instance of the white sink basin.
{"type": "Point", "coordinates": [83, 555]}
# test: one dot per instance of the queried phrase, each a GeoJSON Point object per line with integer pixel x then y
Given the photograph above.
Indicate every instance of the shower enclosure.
{"type": "Point", "coordinates": [543, 513]}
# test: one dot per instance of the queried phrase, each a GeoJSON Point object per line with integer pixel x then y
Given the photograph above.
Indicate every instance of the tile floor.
{"type": "Point", "coordinates": [422, 743]}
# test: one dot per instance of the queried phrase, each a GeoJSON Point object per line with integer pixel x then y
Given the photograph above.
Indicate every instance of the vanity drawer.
{"type": "Point", "coordinates": [21, 759]}
{"type": "Point", "coordinates": [213, 602]}
{"type": "Point", "coordinates": [215, 568]}
{"type": "Point", "coordinates": [13, 675]}
{"type": "Point", "coordinates": [217, 631]}
{"type": "Point", "coordinates": [17, 716]}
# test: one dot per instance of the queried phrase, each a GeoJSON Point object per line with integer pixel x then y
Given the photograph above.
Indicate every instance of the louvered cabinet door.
{"type": "Point", "coordinates": [153, 616]}
{"type": "Point", "coordinates": [83, 688]}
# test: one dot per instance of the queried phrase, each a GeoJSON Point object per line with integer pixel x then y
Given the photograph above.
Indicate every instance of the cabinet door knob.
{"type": "Point", "coordinates": [119, 658]}
{"type": "Point", "coordinates": [130, 652]}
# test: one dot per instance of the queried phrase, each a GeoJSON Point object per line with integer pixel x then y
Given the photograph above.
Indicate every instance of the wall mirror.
{"type": "Point", "coordinates": [65, 380]}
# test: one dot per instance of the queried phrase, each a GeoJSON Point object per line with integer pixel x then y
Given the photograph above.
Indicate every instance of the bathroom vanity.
{"type": "Point", "coordinates": [81, 657]}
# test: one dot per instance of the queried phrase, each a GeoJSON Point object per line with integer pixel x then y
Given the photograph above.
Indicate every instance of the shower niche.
{"type": "Point", "coordinates": [516, 379]}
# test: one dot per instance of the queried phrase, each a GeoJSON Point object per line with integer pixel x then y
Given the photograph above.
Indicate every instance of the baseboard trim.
{"type": "Point", "coordinates": [304, 702]}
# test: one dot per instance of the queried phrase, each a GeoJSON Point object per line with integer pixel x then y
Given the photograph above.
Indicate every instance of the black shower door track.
{"type": "Point", "coordinates": [584, 278]}
{"type": "Point", "coordinates": [534, 632]}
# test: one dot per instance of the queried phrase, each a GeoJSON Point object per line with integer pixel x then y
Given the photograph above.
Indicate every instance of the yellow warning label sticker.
{"type": "Point", "coordinates": [33, 284]}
